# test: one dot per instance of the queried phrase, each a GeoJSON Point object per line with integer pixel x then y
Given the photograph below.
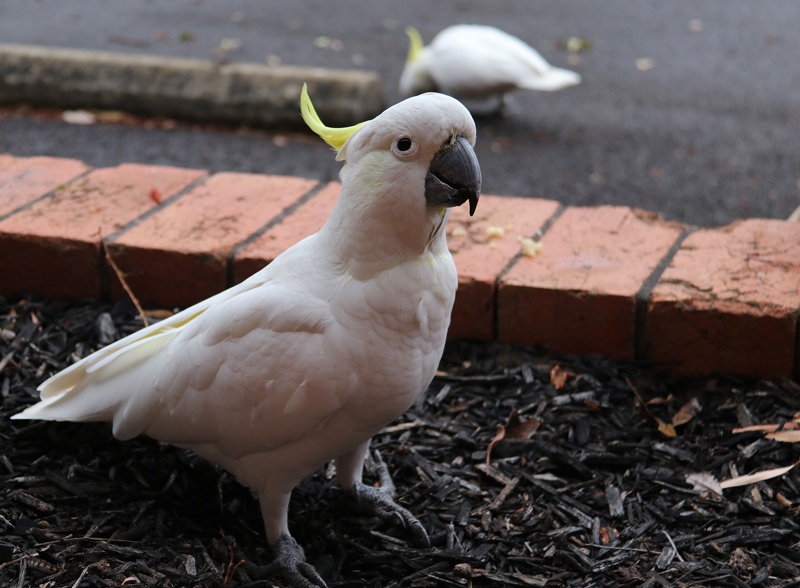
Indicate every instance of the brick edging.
{"type": "Point", "coordinates": [607, 279]}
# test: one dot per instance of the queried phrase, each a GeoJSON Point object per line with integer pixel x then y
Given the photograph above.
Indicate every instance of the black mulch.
{"type": "Point", "coordinates": [597, 496]}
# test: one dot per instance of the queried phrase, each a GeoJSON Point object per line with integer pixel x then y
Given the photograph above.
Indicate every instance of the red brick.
{"type": "Point", "coordinates": [480, 258]}
{"type": "Point", "coordinates": [305, 221]}
{"type": "Point", "coordinates": [578, 294]}
{"type": "Point", "coordinates": [179, 255]}
{"type": "Point", "coordinates": [24, 179]}
{"type": "Point", "coordinates": [54, 247]}
{"type": "Point", "coordinates": [728, 301]}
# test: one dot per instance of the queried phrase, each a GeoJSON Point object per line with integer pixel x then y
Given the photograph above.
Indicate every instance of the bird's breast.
{"type": "Point", "coordinates": [395, 325]}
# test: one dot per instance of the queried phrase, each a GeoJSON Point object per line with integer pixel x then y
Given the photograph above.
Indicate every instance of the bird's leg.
{"type": "Point", "coordinates": [500, 108]}
{"type": "Point", "coordinates": [505, 105]}
{"type": "Point", "coordinates": [376, 501]}
{"type": "Point", "coordinates": [290, 559]}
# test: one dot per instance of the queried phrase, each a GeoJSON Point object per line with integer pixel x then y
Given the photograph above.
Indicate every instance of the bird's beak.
{"type": "Point", "coordinates": [454, 176]}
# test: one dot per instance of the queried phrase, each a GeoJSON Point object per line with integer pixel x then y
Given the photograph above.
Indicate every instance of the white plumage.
{"type": "Point", "coordinates": [307, 359]}
{"type": "Point", "coordinates": [476, 61]}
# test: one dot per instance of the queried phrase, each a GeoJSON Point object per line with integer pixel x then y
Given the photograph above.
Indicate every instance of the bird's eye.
{"type": "Point", "coordinates": [404, 144]}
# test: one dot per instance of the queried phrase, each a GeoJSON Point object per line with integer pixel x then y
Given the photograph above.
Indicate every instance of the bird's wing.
{"type": "Point", "coordinates": [135, 346]}
{"type": "Point", "coordinates": [248, 374]}
{"type": "Point", "coordinates": [246, 369]}
{"type": "Point", "coordinates": [473, 71]}
{"type": "Point", "coordinates": [467, 58]}
{"type": "Point", "coordinates": [493, 39]}
{"type": "Point", "coordinates": [258, 373]}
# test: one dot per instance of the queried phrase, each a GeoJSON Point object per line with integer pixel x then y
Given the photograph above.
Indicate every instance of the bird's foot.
{"type": "Point", "coordinates": [290, 562]}
{"type": "Point", "coordinates": [380, 502]}
{"type": "Point", "coordinates": [506, 106]}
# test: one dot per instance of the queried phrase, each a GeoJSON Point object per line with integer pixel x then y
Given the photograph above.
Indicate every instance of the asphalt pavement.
{"type": "Point", "coordinates": [689, 108]}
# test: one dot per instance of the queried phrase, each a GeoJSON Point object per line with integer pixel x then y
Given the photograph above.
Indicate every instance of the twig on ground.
{"type": "Point", "coordinates": [124, 283]}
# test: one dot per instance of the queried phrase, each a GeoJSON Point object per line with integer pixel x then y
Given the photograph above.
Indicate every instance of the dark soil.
{"type": "Point", "coordinates": [584, 490]}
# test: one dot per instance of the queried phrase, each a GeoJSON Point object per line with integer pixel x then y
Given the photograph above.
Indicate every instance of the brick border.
{"type": "Point", "coordinates": [610, 280]}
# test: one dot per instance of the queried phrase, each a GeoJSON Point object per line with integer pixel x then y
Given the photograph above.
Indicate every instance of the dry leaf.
{"type": "Point", "coordinates": [784, 436]}
{"type": "Point", "coordinates": [515, 428]}
{"type": "Point", "coordinates": [578, 44]}
{"type": "Point", "coordinates": [757, 477]}
{"type": "Point", "coordinates": [607, 534]}
{"type": "Point", "coordinates": [665, 429]}
{"type": "Point", "coordinates": [558, 377]}
{"type": "Point", "coordinates": [112, 116]}
{"type": "Point", "coordinates": [499, 436]}
{"type": "Point", "coordinates": [686, 412]}
{"type": "Point", "coordinates": [645, 64]}
{"type": "Point", "coordinates": [228, 45]}
{"type": "Point", "coordinates": [767, 428]}
{"type": "Point", "coordinates": [702, 482]}
{"type": "Point", "coordinates": [519, 429]}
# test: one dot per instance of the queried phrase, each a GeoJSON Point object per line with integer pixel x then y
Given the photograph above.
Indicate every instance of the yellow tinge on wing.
{"type": "Point", "coordinates": [416, 44]}
{"type": "Point", "coordinates": [336, 138]}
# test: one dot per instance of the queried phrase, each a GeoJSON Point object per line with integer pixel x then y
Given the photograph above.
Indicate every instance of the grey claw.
{"type": "Point", "coordinates": [397, 519]}
{"type": "Point", "coordinates": [379, 502]}
{"type": "Point", "coordinates": [420, 534]}
{"type": "Point", "coordinates": [290, 562]}
{"type": "Point", "coordinates": [305, 576]}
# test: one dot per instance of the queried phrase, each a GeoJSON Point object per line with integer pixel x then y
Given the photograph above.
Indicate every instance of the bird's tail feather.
{"type": "Point", "coordinates": [555, 79]}
{"type": "Point", "coordinates": [65, 397]}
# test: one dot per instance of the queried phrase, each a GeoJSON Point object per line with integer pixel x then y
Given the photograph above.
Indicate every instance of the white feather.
{"type": "Point", "coordinates": [476, 61]}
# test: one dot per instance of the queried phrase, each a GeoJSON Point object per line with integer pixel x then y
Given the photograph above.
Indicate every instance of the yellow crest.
{"type": "Point", "coordinates": [336, 138]}
{"type": "Point", "coordinates": [416, 44]}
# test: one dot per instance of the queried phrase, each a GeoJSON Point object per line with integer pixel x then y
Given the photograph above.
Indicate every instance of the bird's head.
{"type": "Point", "coordinates": [404, 169]}
{"type": "Point", "coordinates": [421, 148]}
{"type": "Point", "coordinates": [416, 77]}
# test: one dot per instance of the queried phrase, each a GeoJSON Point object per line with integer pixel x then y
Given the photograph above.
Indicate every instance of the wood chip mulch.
{"type": "Point", "coordinates": [601, 473]}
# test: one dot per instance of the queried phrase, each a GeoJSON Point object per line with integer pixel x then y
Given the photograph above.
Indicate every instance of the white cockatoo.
{"type": "Point", "coordinates": [478, 62]}
{"type": "Point", "coordinates": [309, 358]}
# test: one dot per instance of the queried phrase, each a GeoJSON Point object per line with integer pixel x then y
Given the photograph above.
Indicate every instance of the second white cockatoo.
{"type": "Point", "coordinates": [306, 360]}
{"type": "Point", "coordinates": [478, 62]}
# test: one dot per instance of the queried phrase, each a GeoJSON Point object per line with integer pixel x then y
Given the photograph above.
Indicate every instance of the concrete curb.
{"type": "Point", "coordinates": [606, 279]}
{"type": "Point", "coordinates": [238, 93]}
